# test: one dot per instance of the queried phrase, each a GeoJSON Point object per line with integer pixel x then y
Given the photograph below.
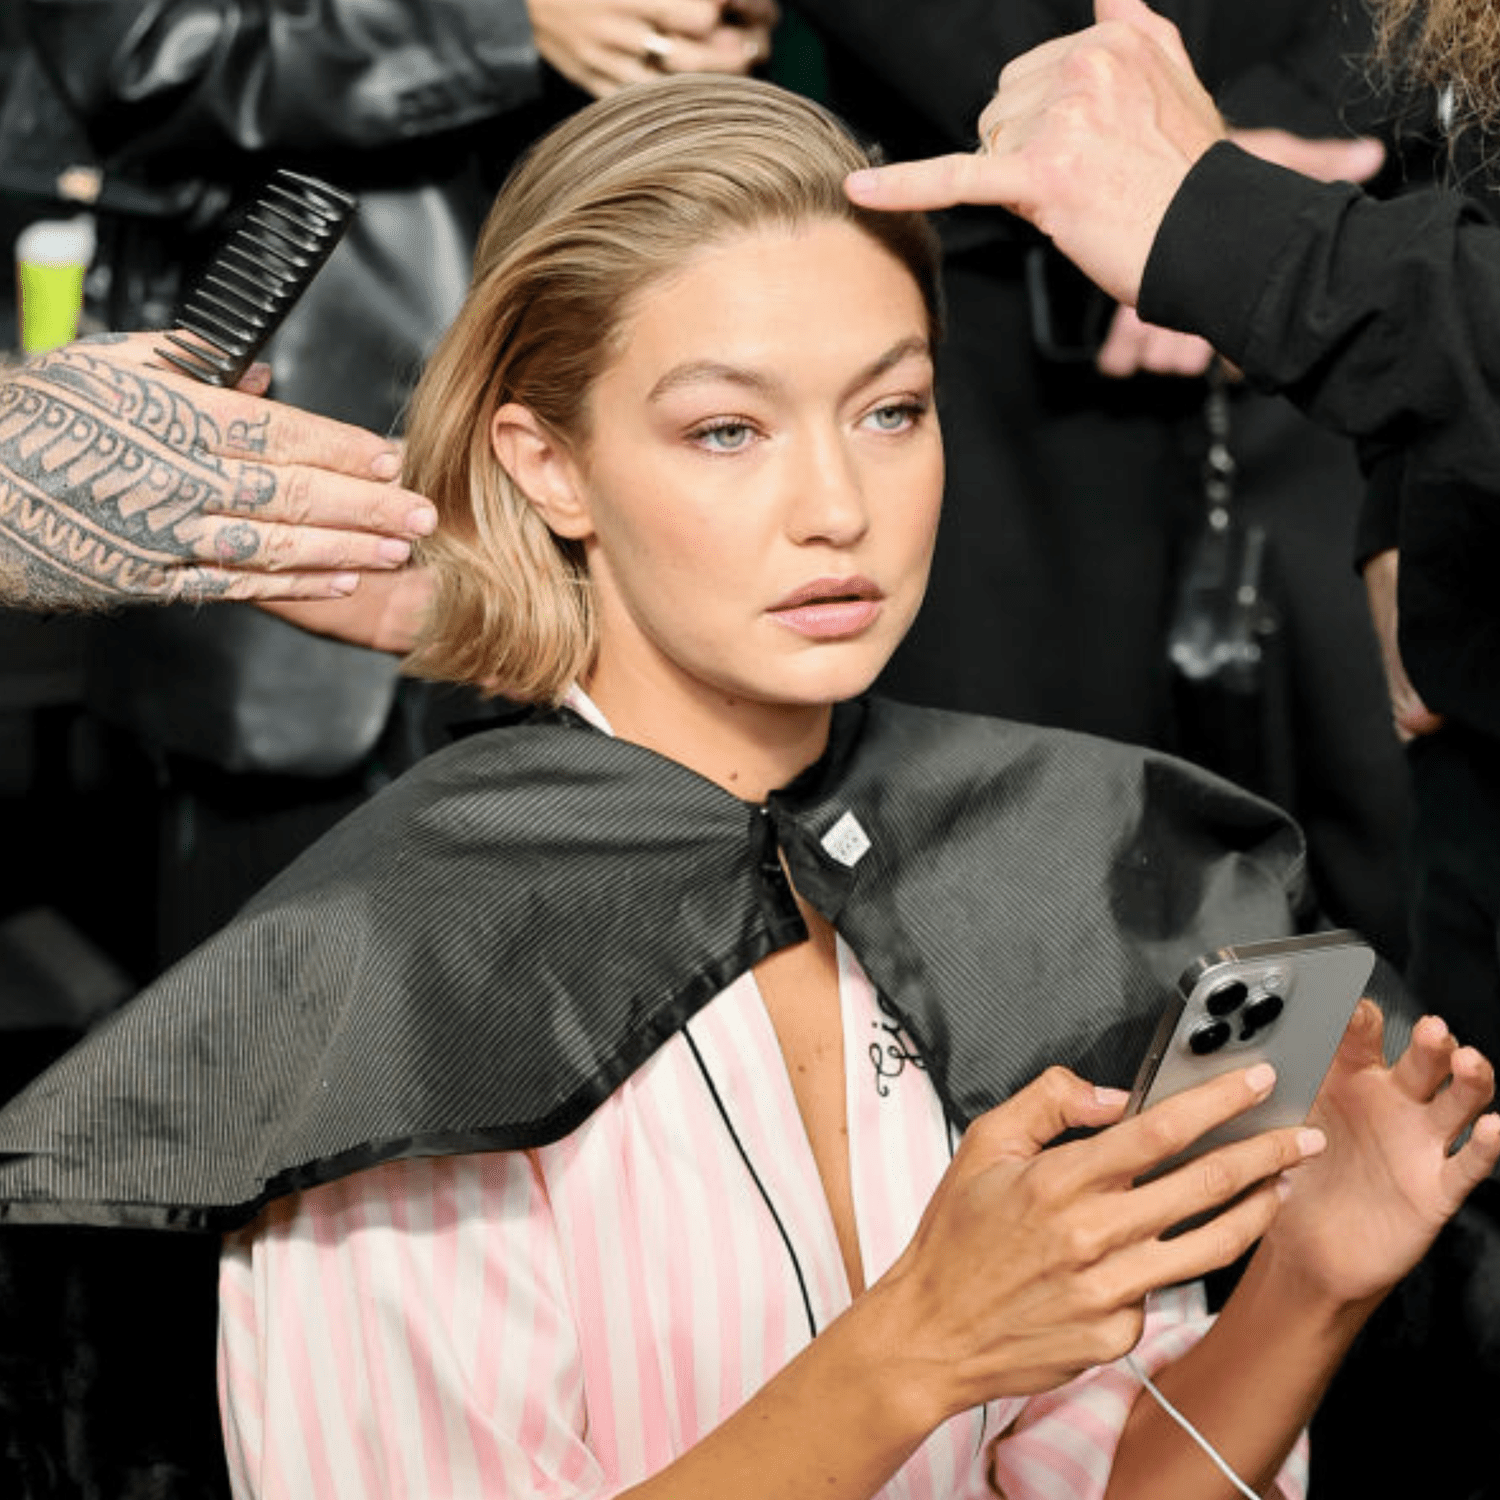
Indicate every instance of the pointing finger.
{"type": "Point", "coordinates": [940, 182]}
{"type": "Point", "coordinates": [316, 498]}
{"type": "Point", "coordinates": [1168, 1128]}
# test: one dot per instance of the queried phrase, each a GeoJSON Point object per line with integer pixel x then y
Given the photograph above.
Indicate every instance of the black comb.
{"type": "Point", "coordinates": [256, 275]}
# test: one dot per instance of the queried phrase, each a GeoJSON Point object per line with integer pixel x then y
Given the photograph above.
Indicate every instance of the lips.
{"type": "Point", "coordinates": [830, 609]}
{"type": "Point", "coordinates": [829, 591]}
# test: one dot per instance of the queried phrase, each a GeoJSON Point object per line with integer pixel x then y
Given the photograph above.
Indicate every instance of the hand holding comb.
{"type": "Point", "coordinates": [255, 277]}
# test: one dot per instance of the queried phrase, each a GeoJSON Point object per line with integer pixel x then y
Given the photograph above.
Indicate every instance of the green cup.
{"type": "Point", "coordinates": [51, 257]}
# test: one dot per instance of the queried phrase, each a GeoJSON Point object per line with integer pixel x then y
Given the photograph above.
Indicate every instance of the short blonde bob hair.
{"type": "Point", "coordinates": [613, 199]}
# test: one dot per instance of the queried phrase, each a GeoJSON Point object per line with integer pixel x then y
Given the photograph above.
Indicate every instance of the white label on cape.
{"type": "Point", "coordinates": [846, 841]}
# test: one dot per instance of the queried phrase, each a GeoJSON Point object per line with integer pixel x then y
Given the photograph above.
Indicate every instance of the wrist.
{"type": "Point", "coordinates": [1283, 1291]}
{"type": "Point", "coordinates": [916, 1382]}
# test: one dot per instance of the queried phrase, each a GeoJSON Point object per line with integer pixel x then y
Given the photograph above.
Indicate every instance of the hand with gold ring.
{"type": "Point", "coordinates": [605, 45]}
{"type": "Point", "coordinates": [1088, 137]}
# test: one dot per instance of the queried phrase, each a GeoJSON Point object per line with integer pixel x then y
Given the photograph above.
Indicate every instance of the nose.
{"type": "Point", "coordinates": [826, 501]}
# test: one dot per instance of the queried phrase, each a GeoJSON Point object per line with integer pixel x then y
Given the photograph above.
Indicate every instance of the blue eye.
{"type": "Point", "coordinates": [896, 416]}
{"type": "Point", "coordinates": [724, 437]}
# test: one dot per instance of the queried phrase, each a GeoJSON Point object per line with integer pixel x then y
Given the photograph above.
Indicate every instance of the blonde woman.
{"type": "Point", "coordinates": [655, 1098]}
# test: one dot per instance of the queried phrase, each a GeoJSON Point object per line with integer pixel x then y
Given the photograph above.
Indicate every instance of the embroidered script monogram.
{"type": "Point", "coordinates": [893, 1049]}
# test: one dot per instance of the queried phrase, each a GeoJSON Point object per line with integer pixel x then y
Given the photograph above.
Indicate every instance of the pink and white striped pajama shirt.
{"type": "Point", "coordinates": [563, 1322]}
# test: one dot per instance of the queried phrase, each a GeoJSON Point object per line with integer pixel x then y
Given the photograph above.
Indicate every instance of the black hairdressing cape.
{"type": "Point", "coordinates": [479, 956]}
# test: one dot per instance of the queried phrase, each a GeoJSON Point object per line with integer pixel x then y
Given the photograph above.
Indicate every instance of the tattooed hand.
{"type": "Point", "coordinates": [123, 482]}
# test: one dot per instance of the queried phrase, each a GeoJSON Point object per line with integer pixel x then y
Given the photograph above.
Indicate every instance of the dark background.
{"type": "Point", "coordinates": [63, 937]}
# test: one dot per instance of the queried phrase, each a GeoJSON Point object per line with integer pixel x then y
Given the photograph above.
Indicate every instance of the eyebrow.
{"type": "Point", "coordinates": [703, 371]}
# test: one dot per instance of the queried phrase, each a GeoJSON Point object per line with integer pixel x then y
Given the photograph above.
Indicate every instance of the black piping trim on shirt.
{"type": "Point", "coordinates": [739, 1145]}
{"type": "Point", "coordinates": [984, 1406]}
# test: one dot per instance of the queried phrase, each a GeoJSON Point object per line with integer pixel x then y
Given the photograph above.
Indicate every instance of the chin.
{"type": "Point", "coordinates": [822, 683]}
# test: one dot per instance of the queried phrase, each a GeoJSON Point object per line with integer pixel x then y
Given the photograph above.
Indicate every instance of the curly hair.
{"type": "Point", "coordinates": [1449, 45]}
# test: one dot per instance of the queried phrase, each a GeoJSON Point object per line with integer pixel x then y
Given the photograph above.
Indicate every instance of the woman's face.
{"type": "Point", "coordinates": [759, 492]}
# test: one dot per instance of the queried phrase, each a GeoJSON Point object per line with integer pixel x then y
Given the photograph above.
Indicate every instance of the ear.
{"type": "Point", "coordinates": [543, 469]}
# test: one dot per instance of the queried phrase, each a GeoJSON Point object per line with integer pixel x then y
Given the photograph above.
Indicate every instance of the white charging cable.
{"type": "Point", "coordinates": [1140, 1373]}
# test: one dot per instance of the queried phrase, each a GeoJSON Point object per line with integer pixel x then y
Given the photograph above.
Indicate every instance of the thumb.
{"type": "Point", "coordinates": [1341, 161]}
{"type": "Point", "coordinates": [1138, 14]}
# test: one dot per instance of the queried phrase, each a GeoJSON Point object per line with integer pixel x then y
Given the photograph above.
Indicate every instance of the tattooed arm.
{"type": "Point", "coordinates": [122, 482]}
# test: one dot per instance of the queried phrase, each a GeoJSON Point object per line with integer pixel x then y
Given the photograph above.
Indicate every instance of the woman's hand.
{"type": "Point", "coordinates": [1359, 1219]}
{"type": "Point", "coordinates": [1030, 1265]}
{"type": "Point", "coordinates": [1409, 714]}
{"type": "Point", "coordinates": [604, 45]}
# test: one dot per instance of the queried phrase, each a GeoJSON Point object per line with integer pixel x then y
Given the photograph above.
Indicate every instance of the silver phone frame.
{"type": "Point", "coordinates": [1325, 974]}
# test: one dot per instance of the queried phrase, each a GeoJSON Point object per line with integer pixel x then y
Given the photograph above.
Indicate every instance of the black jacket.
{"type": "Point", "coordinates": [415, 105]}
{"type": "Point", "coordinates": [1383, 321]}
{"type": "Point", "coordinates": [418, 107]}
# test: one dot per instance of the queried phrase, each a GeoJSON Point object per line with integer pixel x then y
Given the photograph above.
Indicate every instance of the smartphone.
{"type": "Point", "coordinates": [1286, 1002]}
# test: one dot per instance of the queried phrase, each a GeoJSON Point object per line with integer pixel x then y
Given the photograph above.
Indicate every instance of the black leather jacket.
{"type": "Point", "coordinates": [418, 106]}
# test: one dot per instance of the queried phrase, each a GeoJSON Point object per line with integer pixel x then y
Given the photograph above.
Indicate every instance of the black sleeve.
{"type": "Point", "coordinates": [1379, 526]}
{"type": "Point", "coordinates": [1377, 318]}
{"type": "Point", "coordinates": [195, 76]}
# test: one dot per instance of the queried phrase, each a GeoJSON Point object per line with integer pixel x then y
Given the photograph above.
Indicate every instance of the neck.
{"type": "Point", "coordinates": [748, 748]}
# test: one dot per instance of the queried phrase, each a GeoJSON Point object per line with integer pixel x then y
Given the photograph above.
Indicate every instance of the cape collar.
{"type": "Point", "coordinates": [485, 951]}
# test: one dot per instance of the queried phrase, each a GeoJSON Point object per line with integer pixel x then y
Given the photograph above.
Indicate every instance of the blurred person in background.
{"type": "Point", "coordinates": [1075, 503]}
{"type": "Point", "coordinates": [419, 108]}
{"type": "Point", "coordinates": [1379, 319]}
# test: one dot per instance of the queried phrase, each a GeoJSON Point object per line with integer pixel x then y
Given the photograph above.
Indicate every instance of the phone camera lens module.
{"type": "Point", "coordinates": [1259, 1013]}
{"type": "Point", "coordinates": [1208, 1037]}
{"type": "Point", "coordinates": [1274, 980]}
{"type": "Point", "coordinates": [1226, 999]}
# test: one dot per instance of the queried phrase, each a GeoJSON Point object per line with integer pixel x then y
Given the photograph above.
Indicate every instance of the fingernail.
{"type": "Point", "coordinates": [1110, 1097]}
{"type": "Point", "coordinates": [860, 183]}
{"type": "Point", "coordinates": [394, 550]}
{"type": "Point", "coordinates": [422, 519]}
{"type": "Point", "coordinates": [1261, 1078]}
{"type": "Point", "coordinates": [1283, 1187]}
{"type": "Point", "coordinates": [387, 466]}
{"type": "Point", "coordinates": [344, 583]}
{"type": "Point", "coordinates": [1311, 1142]}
